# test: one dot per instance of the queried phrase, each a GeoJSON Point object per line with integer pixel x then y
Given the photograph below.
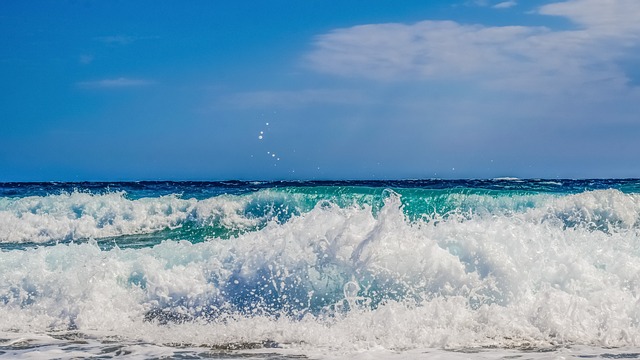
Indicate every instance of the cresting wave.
{"type": "Point", "coordinates": [81, 215]}
{"type": "Point", "coordinates": [77, 215]}
{"type": "Point", "coordinates": [331, 268]}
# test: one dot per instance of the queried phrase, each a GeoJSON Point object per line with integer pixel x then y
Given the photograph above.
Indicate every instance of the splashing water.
{"type": "Point", "coordinates": [317, 267]}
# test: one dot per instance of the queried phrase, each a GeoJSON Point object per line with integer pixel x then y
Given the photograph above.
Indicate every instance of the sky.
{"type": "Point", "coordinates": [318, 89]}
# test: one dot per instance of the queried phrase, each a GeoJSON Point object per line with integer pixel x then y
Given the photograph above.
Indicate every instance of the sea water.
{"type": "Point", "coordinates": [502, 268]}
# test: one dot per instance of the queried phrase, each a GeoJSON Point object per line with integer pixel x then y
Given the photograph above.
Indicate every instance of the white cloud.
{"type": "Point", "coordinates": [293, 99]}
{"type": "Point", "coordinates": [615, 18]}
{"type": "Point", "coordinates": [505, 4]}
{"type": "Point", "coordinates": [428, 49]}
{"type": "Point", "coordinates": [519, 58]}
{"type": "Point", "coordinates": [120, 82]}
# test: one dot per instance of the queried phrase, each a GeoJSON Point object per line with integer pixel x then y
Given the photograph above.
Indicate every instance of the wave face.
{"type": "Point", "coordinates": [347, 265]}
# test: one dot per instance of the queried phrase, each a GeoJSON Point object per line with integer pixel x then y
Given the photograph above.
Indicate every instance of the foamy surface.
{"type": "Point", "coordinates": [323, 272]}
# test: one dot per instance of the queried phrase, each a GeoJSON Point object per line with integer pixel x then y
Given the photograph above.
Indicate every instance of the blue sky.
{"type": "Point", "coordinates": [289, 89]}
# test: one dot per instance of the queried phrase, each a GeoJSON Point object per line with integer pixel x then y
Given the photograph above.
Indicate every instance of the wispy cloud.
{"type": "Point", "coordinates": [476, 3]}
{"type": "Point", "coordinates": [424, 50]}
{"type": "Point", "coordinates": [521, 58]}
{"type": "Point", "coordinates": [293, 99]}
{"type": "Point", "coordinates": [490, 3]}
{"type": "Point", "coordinates": [505, 4]}
{"type": "Point", "coordinates": [115, 83]}
{"type": "Point", "coordinates": [122, 39]}
{"type": "Point", "coordinates": [85, 59]}
{"type": "Point", "coordinates": [614, 18]}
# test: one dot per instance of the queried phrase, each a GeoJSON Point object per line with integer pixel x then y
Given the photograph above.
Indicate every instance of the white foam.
{"type": "Point", "coordinates": [506, 178]}
{"type": "Point", "coordinates": [73, 345]}
{"type": "Point", "coordinates": [77, 215]}
{"type": "Point", "coordinates": [600, 209]}
{"type": "Point", "coordinates": [344, 280]}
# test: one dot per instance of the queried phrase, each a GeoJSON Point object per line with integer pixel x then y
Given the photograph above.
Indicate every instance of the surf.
{"type": "Point", "coordinates": [327, 267]}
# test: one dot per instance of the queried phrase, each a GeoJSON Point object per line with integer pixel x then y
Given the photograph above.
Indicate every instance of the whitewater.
{"type": "Point", "coordinates": [447, 269]}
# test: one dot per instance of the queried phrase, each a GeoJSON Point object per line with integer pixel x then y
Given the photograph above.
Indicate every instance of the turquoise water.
{"type": "Point", "coordinates": [312, 267]}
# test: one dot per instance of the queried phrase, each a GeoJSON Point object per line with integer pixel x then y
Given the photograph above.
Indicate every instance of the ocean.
{"type": "Point", "coordinates": [444, 269]}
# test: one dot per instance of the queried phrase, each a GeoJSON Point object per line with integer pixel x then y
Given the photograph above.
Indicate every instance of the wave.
{"type": "Point", "coordinates": [508, 271]}
{"type": "Point", "coordinates": [80, 215]}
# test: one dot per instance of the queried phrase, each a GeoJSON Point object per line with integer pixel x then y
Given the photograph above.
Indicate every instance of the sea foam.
{"type": "Point", "coordinates": [522, 271]}
{"type": "Point", "coordinates": [78, 215]}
